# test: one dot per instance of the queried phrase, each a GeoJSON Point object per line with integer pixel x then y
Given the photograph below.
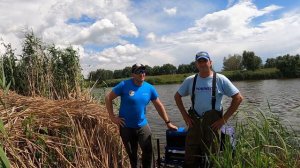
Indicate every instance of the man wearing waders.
{"type": "Point", "coordinates": [135, 95]}
{"type": "Point", "coordinates": [205, 117]}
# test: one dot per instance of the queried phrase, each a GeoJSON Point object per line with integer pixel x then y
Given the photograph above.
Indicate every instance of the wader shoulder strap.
{"type": "Point", "coordinates": [213, 96]}
{"type": "Point", "coordinates": [193, 91]}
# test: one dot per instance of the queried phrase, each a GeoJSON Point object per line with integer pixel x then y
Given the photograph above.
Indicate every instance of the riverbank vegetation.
{"type": "Point", "coordinates": [247, 66]}
{"type": "Point", "coordinates": [261, 141]}
{"type": "Point", "coordinates": [262, 74]}
{"type": "Point", "coordinates": [42, 69]}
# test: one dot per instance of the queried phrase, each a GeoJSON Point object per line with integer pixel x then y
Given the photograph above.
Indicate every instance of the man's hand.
{"type": "Point", "coordinates": [117, 120]}
{"type": "Point", "coordinates": [235, 102]}
{"type": "Point", "coordinates": [218, 124]}
{"type": "Point", "coordinates": [188, 121]}
{"type": "Point", "coordinates": [172, 127]}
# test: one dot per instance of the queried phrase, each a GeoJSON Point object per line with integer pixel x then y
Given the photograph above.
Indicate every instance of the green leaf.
{"type": "Point", "coordinates": [2, 127]}
{"type": "Point", "coordinates": [4, 159]}
{"type": "Point", "coordinates": [7, 88]}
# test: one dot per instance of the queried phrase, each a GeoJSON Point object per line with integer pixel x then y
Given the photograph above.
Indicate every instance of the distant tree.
{"type": "Point", "coordinates": [126, 72]}
{"type": "Point", "coordinates": [193, 67]}
{"type": "Point", "coordinates": [184, 68]}
{"type": "Point", "coordinates": [270, 63]}
{"type": "Point", "coordinates": [168, 69]}
{"type": "Point", "coordinates": [101, 74]}
{"type": "Point", "coordinates": [250, 61]}
{"type": "Point", "coordinates": [156, 70]}
{"type": "Point", "coordinates": [148, 70]}
{"type": "Point", "coordinates": [232, 63]}
{"type": "Point", "coordinates": [117, 74]}
{"type": "Point", "coordinates": [289, 65]}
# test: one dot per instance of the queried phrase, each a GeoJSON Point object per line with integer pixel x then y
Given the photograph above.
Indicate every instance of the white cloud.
{"type": "Point", "coordinates": [231, 31]}
{"type": "Point", "coordinates": [170, 11]}
{"type": "Point", "coordinates": [50, 20]}
{"type": "Point", "coordinates": [151, 36]}
{"type": "Point", "coordinates": [113, 58]}
{"type": "Point", "coordinates": [106, 31]}
{"type": "Point", "coordinates": [241, 26]}
{"type": "Point", "coordinates": [151, 16]}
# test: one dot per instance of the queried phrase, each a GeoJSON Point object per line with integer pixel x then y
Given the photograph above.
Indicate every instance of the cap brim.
{"type": "Point", "coordinates": [202, 57]}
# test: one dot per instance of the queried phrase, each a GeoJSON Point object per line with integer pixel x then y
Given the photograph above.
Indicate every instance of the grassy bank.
{"type": "Point", "coordinates": [155, 80]}
{"type": "Point", "coordinates": [261, 141]}
{"type": "Point", "coordinates": [267, 73]}
{"type": "Point", "coordinates": [261, 74]}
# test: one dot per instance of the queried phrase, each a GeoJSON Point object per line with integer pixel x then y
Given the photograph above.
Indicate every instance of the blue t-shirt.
{"type": "Point", "coordinates": [203, 91]}
{"type": "Point", "coordinates": [134, 100]}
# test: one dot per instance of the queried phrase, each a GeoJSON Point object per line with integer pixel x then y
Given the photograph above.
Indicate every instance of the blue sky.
{"type": "Point", "coordinates": [112, 34]}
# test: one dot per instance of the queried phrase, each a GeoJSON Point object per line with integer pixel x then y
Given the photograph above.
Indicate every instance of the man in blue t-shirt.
{"type": "Point", "coordinates": [135, 95]}
{"type": "Point", "coordinates": [205, 117]}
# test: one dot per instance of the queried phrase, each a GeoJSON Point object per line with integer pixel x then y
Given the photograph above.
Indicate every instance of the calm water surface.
{"type": "Point", "coordinates": [282, 95]}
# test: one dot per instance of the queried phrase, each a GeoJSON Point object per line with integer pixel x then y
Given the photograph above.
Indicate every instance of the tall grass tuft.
{"type": "Point", "coordinates": [262, 141]}
{"type": "Point", "coordinates": [4, 87]}
{"type": "Point", "coordinates": [43, 70]}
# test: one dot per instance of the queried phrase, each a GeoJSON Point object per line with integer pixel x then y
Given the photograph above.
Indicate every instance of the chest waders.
{"type": "Point", "coordinates": [201, 140]}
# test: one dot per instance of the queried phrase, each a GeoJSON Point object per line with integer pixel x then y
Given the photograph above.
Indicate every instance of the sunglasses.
{"type": "Point", "coordinates": [139, 71]}
{"type": "Point", "coordinates": [202, 60]}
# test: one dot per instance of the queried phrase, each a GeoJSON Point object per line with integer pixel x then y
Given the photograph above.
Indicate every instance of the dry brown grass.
{"type": "Point", "coordinates": [66, 133]}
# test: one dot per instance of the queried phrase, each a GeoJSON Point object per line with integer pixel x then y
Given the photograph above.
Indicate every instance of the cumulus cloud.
{"type": "Point", "coordinates": [106, 31]}
{"type": "Point", "coordinates": [151, 36]}
{"type": "Point", "coordinates": [113, 58]}
{"type": "Point", "coordinates": [240, 26]}
{"type": "Point", "coordinates": [170, 11]}
{"type": "Point", "coordinates": [231, 31]}
{"type": "Point", "coordinates": [50, 20]}
{"type": "Point", "coordinates": [151, 16]}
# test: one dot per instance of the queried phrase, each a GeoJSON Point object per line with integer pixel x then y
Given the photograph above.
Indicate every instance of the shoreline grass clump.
{"type": "Point", "coordinates": [65, 133]}
{"type": "Point", "coordinates": [42, 69]}
{"type": "Point", "coordinates": [261, 141]}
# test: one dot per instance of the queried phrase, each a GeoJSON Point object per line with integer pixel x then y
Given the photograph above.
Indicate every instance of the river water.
{"type": "Point", "coordinates": [283, 97]}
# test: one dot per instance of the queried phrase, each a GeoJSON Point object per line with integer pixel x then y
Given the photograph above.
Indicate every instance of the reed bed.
{"type": "Point", "coordinates": [59, 133]}
{"type": "Point", "coordinates": [262, 140]}
{"type": "Point", "coordinates": [42, 69]}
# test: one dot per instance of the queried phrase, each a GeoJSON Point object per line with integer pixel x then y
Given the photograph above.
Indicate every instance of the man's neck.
{"type": "Point", "coordinates": [205, 74]}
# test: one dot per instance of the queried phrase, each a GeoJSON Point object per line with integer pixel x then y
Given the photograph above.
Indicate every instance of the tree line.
{"type": "Point", "coordinates": [166, 69]}
{"type": "Point", "coordinates": [288, 65]}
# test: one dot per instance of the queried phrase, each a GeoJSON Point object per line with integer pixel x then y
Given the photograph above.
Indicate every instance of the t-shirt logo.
{"type": "Point", "coordinates": [131, 92]}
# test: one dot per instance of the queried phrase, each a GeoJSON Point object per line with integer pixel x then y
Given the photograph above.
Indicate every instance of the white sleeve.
{"type": "Point", "coordinates": [184, 88]}
{"type": "Point", "coordinates": [228, 88]}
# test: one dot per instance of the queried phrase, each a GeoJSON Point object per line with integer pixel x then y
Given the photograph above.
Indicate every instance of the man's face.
{"type": "Point", "coordinates": [139, 75]}
{"type": "Point", "coordinates": [203, 65]}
